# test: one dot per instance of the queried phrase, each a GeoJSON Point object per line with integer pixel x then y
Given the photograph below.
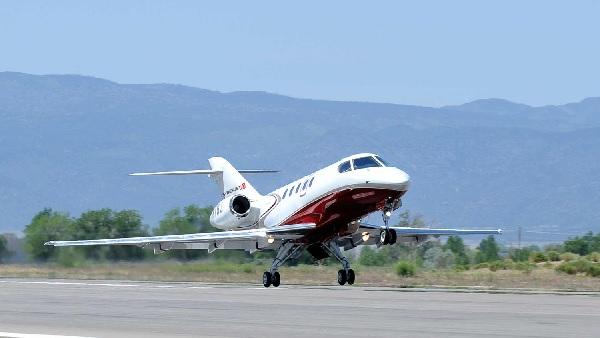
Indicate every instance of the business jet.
{"type": "Point", "coordinates": [321, 213]}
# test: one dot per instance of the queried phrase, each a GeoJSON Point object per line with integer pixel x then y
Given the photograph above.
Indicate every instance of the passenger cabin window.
{"type": "Point", "coordinates": [365, 162]}
{"type": "Point", "coordinates": [344, 167]}
{"type": "Point", "coordinates": [385, 164]}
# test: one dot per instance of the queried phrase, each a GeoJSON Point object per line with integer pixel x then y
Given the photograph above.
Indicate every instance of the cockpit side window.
{"type": "Point", "coordinates": [385, 164]}
{"type": "Point", "coordinates": [344, 167]}
{"type": "Point", "coordinates": [365, 162]}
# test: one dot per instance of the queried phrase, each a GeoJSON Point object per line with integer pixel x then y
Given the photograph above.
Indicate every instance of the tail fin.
{"type": "Point", "coordinates": [229, 179]}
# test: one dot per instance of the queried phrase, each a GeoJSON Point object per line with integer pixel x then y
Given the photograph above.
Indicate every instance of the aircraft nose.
{"type": "Point", "coordinates": [402, 179]}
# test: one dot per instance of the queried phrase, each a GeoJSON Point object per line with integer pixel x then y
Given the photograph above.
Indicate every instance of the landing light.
{"type": "Point", "coordinates": [270, 240]}
{"type": "Point", "coordinates": [388, 213]}
{"type": "Point", "coordinates": [365, 236]}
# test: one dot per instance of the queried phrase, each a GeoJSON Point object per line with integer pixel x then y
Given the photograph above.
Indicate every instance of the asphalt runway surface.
{"type": "Point", "coordinates": [154, 309]}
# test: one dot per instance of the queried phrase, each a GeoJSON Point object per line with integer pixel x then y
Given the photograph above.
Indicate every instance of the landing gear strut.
{"type": "Point", "coordinates": [286, 251]}
{"type": "Point", "coordinates": [387, 235]}
{"type": "Point", "coordinates": [346, 274]}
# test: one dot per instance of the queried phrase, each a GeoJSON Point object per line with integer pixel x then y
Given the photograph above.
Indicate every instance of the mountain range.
{"type": "Point", "coordinates": [69, 141]}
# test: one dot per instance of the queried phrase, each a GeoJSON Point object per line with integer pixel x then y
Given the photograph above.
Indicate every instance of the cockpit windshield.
{"type": "Point", "coordinates": [365, 162]}
{"type": "Point", "coordinates": [344, 167]}
{"type": "Point", "coordinates": [385, 164]}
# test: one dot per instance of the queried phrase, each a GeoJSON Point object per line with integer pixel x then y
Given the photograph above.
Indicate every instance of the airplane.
{"type": "Point", "coordinates": [321, 213]}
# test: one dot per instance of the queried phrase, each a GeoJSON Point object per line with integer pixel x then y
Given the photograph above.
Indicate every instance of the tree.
{"type": "Point", "coordinates": [488, 250]}
{"type": "Point", "coordinates": [46, 225]}
{"type": "Point", "coordinates": [372, 257]}
{"type": "Point", "coordinates": [583, 245]}
{"type": "Point", "coordinates": [193, 220]}
{"type": "Point", "coordinates": [4, 253]}
{"type": "Point", "coordinates": [438, 258]}
{"type": "Point", "coordinates": [106, 223]}
{"type": "Point", "coordinates": [456, 245]}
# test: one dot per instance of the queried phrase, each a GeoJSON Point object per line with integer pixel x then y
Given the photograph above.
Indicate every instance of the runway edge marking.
{"type": "Point", "coordinates": [35, 335]}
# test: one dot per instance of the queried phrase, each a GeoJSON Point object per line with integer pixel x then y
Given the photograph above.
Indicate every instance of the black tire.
{"type": "Point", "coordinates": [351, 276]}
{"type": "Point", "coordinates": [276, 279]}
{"type": "Point", "coordinates": [342, 277]}
{"type": "Point", "coordinates": [384, 237]}
{"type": "Point", "coordinates": [267, 279]}
{"type": "Point", "coordinates": [393, 237]}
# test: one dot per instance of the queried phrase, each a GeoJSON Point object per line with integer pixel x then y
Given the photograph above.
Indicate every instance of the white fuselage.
{"type": "Point", "coordinates": [325, 196]}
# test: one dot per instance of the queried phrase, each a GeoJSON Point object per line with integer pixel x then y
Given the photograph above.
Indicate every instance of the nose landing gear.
{"type": "Point", "coordinates": [387, 235]}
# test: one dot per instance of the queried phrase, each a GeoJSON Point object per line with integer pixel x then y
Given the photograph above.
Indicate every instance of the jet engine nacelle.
{"type": "Point", "coordinates": [236, 211]}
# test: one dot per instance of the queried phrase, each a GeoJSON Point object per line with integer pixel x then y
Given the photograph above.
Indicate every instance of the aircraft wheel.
{"type": "Point", "coordinates": [351, 276]}
{"type": "Point", "coordinates": [276, 279]}
{"type": "Point", "coordinates": [385, 236]}
{"type": "Point", "coordinates": [393, 236]}
{"type": "Point", "coordinates": [342, 277]}
{"type": "Point", "coordinates": [267, 279]}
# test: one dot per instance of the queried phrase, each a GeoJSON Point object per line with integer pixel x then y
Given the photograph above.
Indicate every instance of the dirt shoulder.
{"type": "Point", "coordinates": [221, 272]}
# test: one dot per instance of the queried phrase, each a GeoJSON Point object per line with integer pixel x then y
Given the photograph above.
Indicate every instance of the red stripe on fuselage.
{"type": "Point", "coordinates": [333, 212]}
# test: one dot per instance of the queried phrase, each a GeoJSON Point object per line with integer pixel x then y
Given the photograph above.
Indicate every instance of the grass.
{"type": "Point", "coordinates": [541, 276]}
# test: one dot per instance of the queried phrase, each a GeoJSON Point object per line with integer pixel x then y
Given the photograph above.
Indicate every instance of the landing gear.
{"type": "Point", "coordinates": [345, 275]}
{"type": "Point", "coordinates": [342, 277]}
{"type": "Point", "coordinates": [267, 279]}
{"type": "Point", "coordinates": [388, 236]}
{"type": "Point", "coordinates": [286, 251]}
{"type": "Point", "coordinates": [351, 276]}
{"type": "Point", "coordinates": [275, 279]}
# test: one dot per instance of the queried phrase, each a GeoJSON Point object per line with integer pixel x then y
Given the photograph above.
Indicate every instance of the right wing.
{"type": "Point", "coordinates": [236, 239]}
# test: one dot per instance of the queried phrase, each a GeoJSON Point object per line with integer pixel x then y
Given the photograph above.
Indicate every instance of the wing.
{"type": "Point", "coordinates": [368, 234]}
{"type": "Point", "coordinates": [407, 231]}
{"type": "Point", "coordinates": [249, 240]}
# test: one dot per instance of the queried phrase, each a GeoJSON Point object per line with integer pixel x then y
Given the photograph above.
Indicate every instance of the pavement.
{"type": "Point", "coordinates": [56, 308]}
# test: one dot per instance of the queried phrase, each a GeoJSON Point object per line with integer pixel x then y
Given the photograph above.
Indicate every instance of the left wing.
{"type": "Point", "coordinates": [237, 239]}
{"type": "Point", "coordinates": [407, 231]}
{"type": "Point", "coordinates": [368, 234]}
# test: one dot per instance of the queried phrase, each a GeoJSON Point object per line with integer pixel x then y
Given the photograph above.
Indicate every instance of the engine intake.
{"type": "Point", "coordinates": [240, 205]}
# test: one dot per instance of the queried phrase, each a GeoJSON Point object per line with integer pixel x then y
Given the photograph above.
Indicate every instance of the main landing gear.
{"type": "Point", "coordinates": [346, 274]}
{"type": "Point", "coordinates": [286, 251]}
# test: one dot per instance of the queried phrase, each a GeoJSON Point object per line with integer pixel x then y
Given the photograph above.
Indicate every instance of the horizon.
{"type": "Point", "coordinates": [493, 98]}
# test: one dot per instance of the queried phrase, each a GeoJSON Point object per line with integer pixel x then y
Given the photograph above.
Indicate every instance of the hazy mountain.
{"type": "Point", "coordinates": [68, 142]}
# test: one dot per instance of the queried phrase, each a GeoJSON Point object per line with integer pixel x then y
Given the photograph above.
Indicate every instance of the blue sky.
{"type": "Point", "coordinates": [422, 52]}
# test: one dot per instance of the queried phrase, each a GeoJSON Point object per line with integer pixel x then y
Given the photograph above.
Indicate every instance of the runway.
{"type": "Point", "coordinates": [144, 309]}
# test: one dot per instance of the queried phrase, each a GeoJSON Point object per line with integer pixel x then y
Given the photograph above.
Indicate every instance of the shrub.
{"type": "Point", "coordinates": [568, 256]}
{"type": "Point", "coordinates": [593, 270]}
{"type": "Point", "coordinates": [524, 266]}
{"type": "Point", "coordinates": [501, 265]}
{"type": "Point", "coordinates": [70, 258]}
{"type": "Point", "coordinates": [574, 267]}
{"type": "Point", "coordinates": [405, 269]}
{"type": "Point", "coordinates": [481, 266]}
{"type": "Point", "coordinates": [461, 268]}
{"type": "Point", "coordinates": [548, 265]}
{"type": "Point", "coordinates": [538, 257]}
{"type": "Point", "coordinates": [594, 257]}
{"type": "Point", "coordinates": [553, 256]}
{"type": "Point", "coordinates": [371, 257]}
